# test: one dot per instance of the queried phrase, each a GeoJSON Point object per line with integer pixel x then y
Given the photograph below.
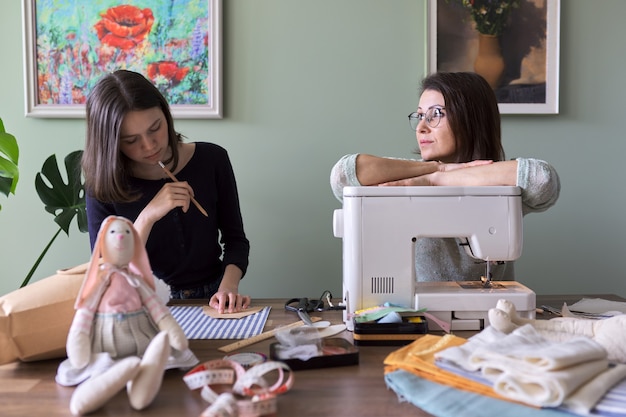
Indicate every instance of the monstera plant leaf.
{"type": "Point", "coordinates": [9, 155]}
{"type": "Point", "coordinates": [63, 200]}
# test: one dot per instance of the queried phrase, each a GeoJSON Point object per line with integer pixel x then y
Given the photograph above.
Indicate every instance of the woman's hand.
{"type": "Point", "coordinates": [170, 196]}
{"type": "Point", "coordinates": [229, 300]}
{"type": "Point", "coordinates": [422, 180]}
{"type": "Point", "coordinates": [227, 297]}
{"type": "Point", "coordinates": [452, 167]}
{"type": "Point", "coordinates": [431, 179]}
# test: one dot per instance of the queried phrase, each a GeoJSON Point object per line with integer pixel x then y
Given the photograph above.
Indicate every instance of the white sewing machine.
{"type": "Point", "coordinates": [379, 227]}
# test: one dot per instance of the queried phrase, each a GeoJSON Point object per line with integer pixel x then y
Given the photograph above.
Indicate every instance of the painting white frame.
{"type": "Point", "coordinates": [551, 104]}
{"type": "Point", "coordinates": [213, 110]}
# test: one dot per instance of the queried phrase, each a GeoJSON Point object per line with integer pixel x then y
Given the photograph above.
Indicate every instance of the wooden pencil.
{"type": "Point", "coordinates": [193, 200]}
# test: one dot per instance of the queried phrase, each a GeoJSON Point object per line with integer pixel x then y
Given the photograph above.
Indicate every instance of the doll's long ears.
{"type": "Point", "coordinates": [140, 264]}
{"type": "Point", "coordinates": [91, 276]}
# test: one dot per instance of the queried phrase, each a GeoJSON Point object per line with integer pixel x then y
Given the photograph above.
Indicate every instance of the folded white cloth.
{"type": "Point", "coordinates": [460, 355]}
{"type": "Point", "coordinates": [526, 348]}
{"type": "Point", "coordinates": [542, 388]}
{"type": "Point", "coordinates": [526, 367]}
{"type": "Point", "coordinates": [585, 398]}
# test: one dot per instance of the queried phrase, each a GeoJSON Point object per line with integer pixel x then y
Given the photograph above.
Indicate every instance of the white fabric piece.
{"type": "Point", "coordinates": [301, 352]}
{"type": "Point", "coordinates": [598, 306]}
{"type": "Point", "coordinates": [541, 389]}
{"type": "Point", "coordinates": [613, 403]}
{"type": "Point", "coordinates": [526, 367]}
{"type": "Point", "coordinates": [583, 400]}
{"type": "Point", "coordinates": [608, 332]}
{"type": "Point", "coordinates": [526, 348]}
{"type": "Point", "coordinates": [460, 355]}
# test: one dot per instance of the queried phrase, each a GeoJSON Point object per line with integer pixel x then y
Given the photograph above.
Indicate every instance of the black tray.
{"type": "Point", "coordinates": [371, 333]}
{"type": "Point", "coordinates": [405, 327]}
{"type": "Point", "coordinates": [350, 357]}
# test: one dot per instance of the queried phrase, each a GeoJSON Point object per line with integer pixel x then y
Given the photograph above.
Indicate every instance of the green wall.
{"type": "Point", "coordinates": [308, 81]}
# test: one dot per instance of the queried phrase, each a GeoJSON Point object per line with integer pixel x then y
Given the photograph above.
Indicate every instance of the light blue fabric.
{"type": "Point", "coordinates": [443, 401]}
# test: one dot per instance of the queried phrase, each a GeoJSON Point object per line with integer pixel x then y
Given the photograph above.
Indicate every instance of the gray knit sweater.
{"type": "Point", "coordinates": [443, 259]}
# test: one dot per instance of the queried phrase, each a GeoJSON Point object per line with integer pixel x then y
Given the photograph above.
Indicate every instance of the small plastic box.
{"type": "Point", "coordinates": [371, 333]}
{"type": "Point", "coordinates": [347, 354]}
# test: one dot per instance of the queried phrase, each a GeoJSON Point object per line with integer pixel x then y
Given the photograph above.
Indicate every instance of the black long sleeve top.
{"type": "Point", "coordinates": [188, 250]}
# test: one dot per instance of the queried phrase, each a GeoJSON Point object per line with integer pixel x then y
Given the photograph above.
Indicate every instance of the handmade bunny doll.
{"type": "Point", "coordinates": [610, 333]}
{"type": "Point", "coordinates": [122, 334]}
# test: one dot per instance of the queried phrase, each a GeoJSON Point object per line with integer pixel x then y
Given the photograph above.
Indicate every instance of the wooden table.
{"type": "Point", "coordinates": [28, 389]}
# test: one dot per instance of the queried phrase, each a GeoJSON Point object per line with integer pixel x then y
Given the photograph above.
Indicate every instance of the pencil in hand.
{"type": "Point", "coordinates": [193, 200]}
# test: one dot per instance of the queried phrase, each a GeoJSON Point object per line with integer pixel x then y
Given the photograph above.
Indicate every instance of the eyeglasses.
{"type": "Point", "coordinates": [433, 117]}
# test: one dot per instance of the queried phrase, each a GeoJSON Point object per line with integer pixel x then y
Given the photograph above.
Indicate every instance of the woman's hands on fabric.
{"type": "Point", "coordinates": [430, 179]}
{"type": "Point", "coordinates": [229, 301]}
{"type": "Point", "coordinates": [227, 298]}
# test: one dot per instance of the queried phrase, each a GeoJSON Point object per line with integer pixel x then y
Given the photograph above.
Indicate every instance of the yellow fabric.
{"type": "Point", "coordinates": [419, 359]}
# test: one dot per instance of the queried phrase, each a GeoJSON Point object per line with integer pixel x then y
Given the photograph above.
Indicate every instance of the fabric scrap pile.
{"type": "Point", "coordinates": [515, 374]}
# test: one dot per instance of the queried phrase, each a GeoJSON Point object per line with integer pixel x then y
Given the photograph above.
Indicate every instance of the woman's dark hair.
{"type": "Point", "coordinates": [105, 168]}
{"type": "Point", "coordinates": [471, 109]}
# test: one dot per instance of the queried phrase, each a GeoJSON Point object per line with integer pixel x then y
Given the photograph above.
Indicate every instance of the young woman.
{"type": "Point", "coordinates": [457, 126]}
{"type": "Point", "coordinates": [130, 132]}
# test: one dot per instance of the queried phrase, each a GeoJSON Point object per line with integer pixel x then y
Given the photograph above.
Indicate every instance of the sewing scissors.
{"type": "Point", "coordinates": [302, 306]}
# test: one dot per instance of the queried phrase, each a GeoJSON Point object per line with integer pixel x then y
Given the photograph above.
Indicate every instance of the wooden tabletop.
{"type": "Point", "coordinates": [29, 389]}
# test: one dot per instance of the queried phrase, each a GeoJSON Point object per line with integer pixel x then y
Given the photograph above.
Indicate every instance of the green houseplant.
{"type": "Point", "coordinates": [9, 155]}
{"type": "Point", "coordinates": [63, 200]}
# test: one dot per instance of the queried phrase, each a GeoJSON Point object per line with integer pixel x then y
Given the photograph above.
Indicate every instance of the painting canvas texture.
{"type": "Point", "coordinates": [166, 40]}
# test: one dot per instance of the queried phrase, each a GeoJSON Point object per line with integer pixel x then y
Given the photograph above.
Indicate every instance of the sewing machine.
{"type": "Point", "coordinates": [379, 227]}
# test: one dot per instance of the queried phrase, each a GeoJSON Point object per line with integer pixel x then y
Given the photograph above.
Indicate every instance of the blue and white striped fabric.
{"type": "Point", "coordinates": [197, 325]}
{"type": "Point", "coordinates": [613, 403]}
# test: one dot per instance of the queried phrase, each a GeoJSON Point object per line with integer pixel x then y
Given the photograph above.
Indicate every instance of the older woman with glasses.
{"type": "Point", "coordinates": [457, 126]}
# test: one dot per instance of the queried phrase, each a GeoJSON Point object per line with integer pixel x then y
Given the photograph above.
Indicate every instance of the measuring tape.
{"type": "Point", "coordinates": [250, 394]}
{"type": "Point", "coordinates": [247, 359]}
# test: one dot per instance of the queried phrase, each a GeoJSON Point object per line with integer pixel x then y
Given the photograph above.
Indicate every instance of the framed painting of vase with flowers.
{"type": "Point", "coordinates": [513, 44]}
{"type": "Point", "coordinates": [70, 44]}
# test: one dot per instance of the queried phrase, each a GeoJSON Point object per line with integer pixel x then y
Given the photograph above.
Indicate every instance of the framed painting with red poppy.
{"type": "Point", "coordinates": [70, 44]}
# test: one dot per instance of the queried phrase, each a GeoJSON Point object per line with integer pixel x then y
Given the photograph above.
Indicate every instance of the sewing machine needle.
{"type": "Point", "coordinates": [487, 280]}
